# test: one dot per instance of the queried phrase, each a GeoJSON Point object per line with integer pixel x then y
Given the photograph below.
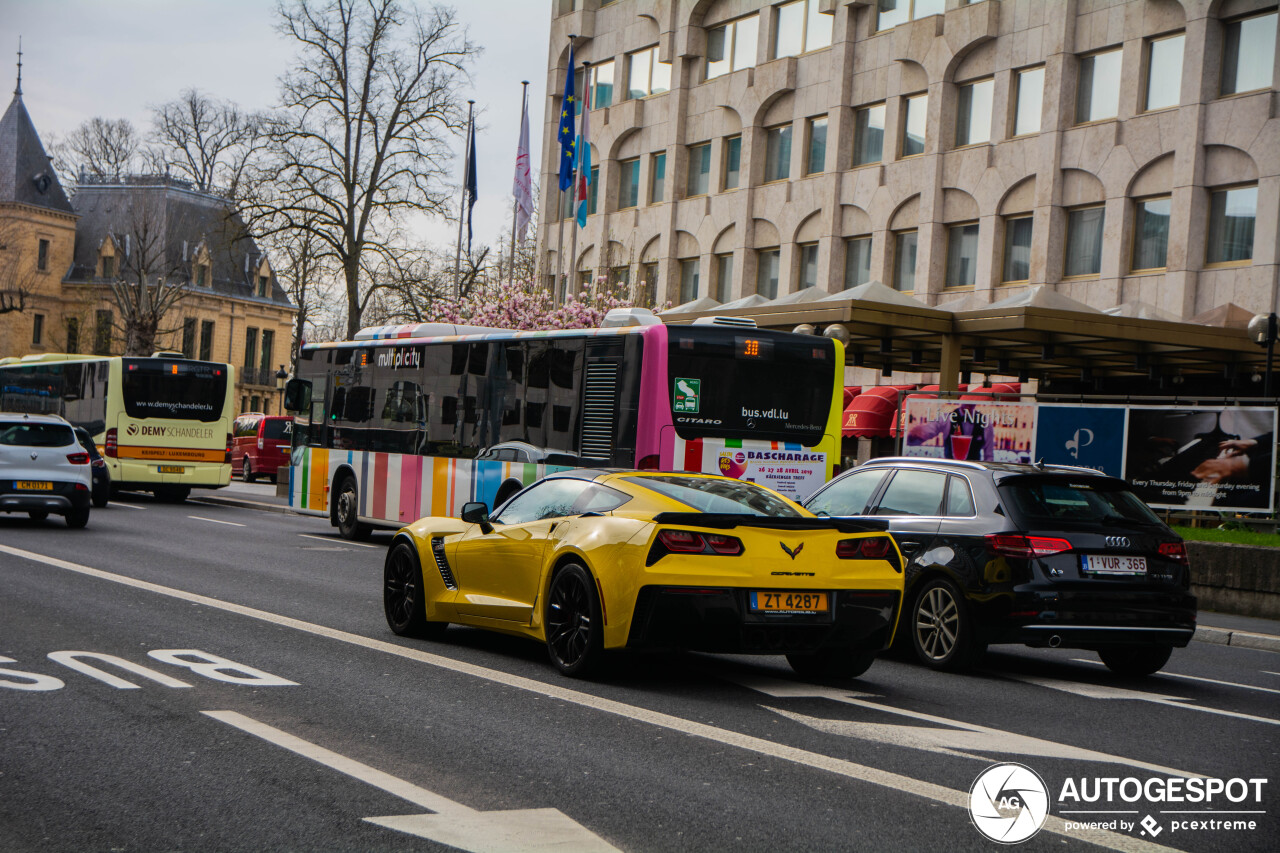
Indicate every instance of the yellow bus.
{"type": "Point", "coordinates": [163, 423]}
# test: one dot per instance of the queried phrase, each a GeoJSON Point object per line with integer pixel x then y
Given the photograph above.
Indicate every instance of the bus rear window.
{"type": "Point", "coordinates": [734, 383]}
{"type": "Point", "coordinates": [183, 390]}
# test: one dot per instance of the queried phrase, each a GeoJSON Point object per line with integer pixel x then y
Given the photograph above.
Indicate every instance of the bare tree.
{"type": "Point", "coordinates": [305, 273]}
{"type": "Point", "coordinates": [18, 277]}
{"type": "Point", "coordinates": [152, 277]}
{"type": "Point", "coordinates": [362, 138]}
{"type": "Point", "coordinates": [100, 148]}
{"type": "Point", "coordinates": [207, 141]}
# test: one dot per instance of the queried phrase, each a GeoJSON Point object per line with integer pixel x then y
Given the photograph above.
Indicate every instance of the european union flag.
{"type": "Point", "coordinates": [568, 109]}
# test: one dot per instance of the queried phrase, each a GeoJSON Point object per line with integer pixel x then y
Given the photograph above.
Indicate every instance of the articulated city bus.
{"type": "Point", "coordinates": [410, 421]}
{"type": "Point", "coordinates": [163, 423]}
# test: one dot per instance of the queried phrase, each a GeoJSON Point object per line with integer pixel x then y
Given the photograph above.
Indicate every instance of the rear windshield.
{"type": "Point", "coordinates": [732, 497]}
{"type": "Point", "coordinates": [180, 389]}
{"type": "Point", "coordinates": [1065, 501]}
{"type": "Point", "coordinates": [731, 383]}
{"type": "Point", "coordinates": [277, 429]}
{"type": "Point", "coordinates": [35, 435]}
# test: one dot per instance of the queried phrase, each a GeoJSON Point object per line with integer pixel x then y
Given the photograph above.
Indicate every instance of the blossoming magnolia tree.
{"type": "Point", "coordinates": [526, 307]}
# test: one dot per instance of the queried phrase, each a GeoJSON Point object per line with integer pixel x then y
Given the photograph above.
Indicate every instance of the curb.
{"type": "Point", "coordinates": [1240, 639]}
{"type": "Point", "coordinates": [243, 504]}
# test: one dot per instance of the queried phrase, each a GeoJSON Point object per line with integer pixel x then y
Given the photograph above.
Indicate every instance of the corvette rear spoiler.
{"type": "Point", "coordinates": [725, 521]}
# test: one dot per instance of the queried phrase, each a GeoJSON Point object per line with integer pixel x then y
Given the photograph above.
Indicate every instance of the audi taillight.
{"type": "Point", "coordinates": [78, 458]}
{"type": "Point", "coordinates": [1175, 551]}
{"type": "Point", "coordinates": [111, 447]}
{"type": "Point", "coordinates": [1025, 547]}
{"type": "Point", "coordinates": [690, 542]}
{"type": "Point", "coordinates": [867, 548]}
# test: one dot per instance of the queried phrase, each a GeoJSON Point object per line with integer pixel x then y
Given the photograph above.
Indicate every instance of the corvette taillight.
{"type": "Point", "coordinates": [1025, 547]}
{"type": "Point", "coordinates": [78, 458]}
{"type": "Point", "coordinates": [1175, 551]}
{"type": "Point", "coordinates": [867, 548]}
{"type": "Point", "coordinates": [110, 448]}
{"type": "Point", "coordinates": [690, 542]}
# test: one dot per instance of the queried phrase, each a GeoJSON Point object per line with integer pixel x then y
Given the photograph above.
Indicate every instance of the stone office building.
{"type": "Point", "coordinates": [1120, 152]}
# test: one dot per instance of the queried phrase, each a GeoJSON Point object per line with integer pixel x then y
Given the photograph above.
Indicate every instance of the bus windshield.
{"type": "Point", "coordinates": [733, 383]}
{"type": "Point", "coordinates": [179, 389]}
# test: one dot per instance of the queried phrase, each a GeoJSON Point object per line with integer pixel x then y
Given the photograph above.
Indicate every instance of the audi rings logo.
{"type": "Point", "coordinates": [1008, 803]}
{"type": "Point", "coordinates": [132, 429]}
{"type": "Point", "coordinates": [1118, 542]}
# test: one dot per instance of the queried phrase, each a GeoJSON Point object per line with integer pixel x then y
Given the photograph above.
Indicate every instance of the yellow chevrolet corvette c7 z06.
{"type": "Point", "coordinates": [589, 561]}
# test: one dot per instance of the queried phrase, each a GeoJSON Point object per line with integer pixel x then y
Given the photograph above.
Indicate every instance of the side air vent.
{"type": "Point", "coordinates": [599, 410]}
{"type": "Point", "coordinates": [437, 550]}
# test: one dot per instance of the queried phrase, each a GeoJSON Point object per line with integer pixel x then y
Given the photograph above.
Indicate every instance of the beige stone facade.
{"type": "Point", "coordinates": [1152, 175]}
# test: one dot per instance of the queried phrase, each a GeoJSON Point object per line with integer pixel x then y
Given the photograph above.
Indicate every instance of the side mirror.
{"type": "Point", "coordinates": [297, 395]}
{"type": "Point", "coordinates": [476, 512]}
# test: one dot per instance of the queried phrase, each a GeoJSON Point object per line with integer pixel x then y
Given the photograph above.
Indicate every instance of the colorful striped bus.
{"type": "Point", "coordinates": [409, 421]}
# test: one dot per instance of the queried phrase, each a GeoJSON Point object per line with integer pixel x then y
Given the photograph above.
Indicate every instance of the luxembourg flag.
{"type": "Point", "coordinates": [583, 154]}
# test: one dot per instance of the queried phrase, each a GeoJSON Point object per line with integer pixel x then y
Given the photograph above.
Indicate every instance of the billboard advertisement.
{"type": "Point", "coordinates": [1087, 436]}
{"type": "Point", "coordinates": [1208, 457]}
{"type": "Point", "coordinates": [969, 429]}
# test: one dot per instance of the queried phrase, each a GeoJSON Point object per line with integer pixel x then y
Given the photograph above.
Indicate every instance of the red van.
{"type": "Point", "coordinates": [260, 445]}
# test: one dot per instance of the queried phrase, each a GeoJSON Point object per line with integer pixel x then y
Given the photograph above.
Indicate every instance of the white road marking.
{"type": "Point", "coordinates": [126, 506]}
{"type": "Point", "coordinates": [333, 541]}
{"type": "Point", "coordinates": [1269, 672]}
{"type": "Point", "coordinates": [1193, 678]}
{"type": "Point", "coordinates": [782, 752]}
{"type": "Point", "coordinates": [453, 823]}
{"type": "Point", "coordinates": [216, 521]}
{"type": "Point", "coordinates": [958, 738]}
{"type": "Point", "coordinates": [1106, 691]}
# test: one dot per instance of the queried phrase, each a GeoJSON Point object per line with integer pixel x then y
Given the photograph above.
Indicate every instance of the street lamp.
{"type": "Point", "coordinates": [1262, 331]}
{"type": "Point", "coordinates": [282, 376]}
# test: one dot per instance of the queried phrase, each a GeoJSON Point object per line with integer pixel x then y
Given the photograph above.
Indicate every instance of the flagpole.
{"type": "Point", "coordinates": [577, 176]}
{"type": "Point", "coordinates": [466, 169]}
{"type": "Point", "coordinates": [555, 288]}
{"type": "Point", "coordinates": [515, 202]}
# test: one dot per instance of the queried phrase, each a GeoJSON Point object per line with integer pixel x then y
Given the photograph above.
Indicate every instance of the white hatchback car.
{"type": "Point", "coordinates": [43, 468]}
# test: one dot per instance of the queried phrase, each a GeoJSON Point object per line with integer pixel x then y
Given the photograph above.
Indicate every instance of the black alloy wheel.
{"type": "Point", "coordinates": [403, 595]}
{"type": "Point", "coordinates": [346, 511]}
{"type": "Point", "coordinates": [77, 518]}
{"type": "Point", "coordinates": [830, 664]}
{"type": "Point", "coordinates": [1135, 661]}
{"type": "Point", "coordinates": [246, 471]}
{"type": "Point", "coordinates": [573, 622]}
{"type": "Point", "coordinates": [942, 629]}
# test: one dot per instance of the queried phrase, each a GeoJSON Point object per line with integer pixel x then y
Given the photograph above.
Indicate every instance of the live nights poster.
{"type": "Point", "coordinates": [975, 430]}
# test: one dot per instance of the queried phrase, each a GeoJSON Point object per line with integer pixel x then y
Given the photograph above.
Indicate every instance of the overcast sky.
{"type": "Point", "coordinates": [85, 58]}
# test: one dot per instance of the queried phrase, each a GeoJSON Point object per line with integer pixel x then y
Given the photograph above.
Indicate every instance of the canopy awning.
{"type": "Point", "coordinates": [873, 413]}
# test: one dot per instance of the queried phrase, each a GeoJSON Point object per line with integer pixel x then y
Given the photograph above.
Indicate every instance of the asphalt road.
{"type": "Point", "coordinates": [197, 677]}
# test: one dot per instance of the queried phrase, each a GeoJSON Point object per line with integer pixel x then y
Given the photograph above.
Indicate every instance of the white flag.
{"type": "Point", "coordinates": [524, 178]}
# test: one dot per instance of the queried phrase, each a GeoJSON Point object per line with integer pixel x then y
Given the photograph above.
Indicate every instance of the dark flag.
{"type": "Point", "coordinates": [568, 112]}
{"type": "Point", "coordinates": [471, 182]}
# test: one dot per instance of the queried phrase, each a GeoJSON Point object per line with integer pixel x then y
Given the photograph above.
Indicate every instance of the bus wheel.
{"type": "Point", "coordinates": [172, 494]}
{"type": "Point", "coordinates": [246, 471]}
{"type": "Point", "coordinates": [347, 508]}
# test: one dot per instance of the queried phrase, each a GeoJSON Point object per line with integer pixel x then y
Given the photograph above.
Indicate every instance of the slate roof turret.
{"type": "Point", "coordinates": [26, 175]}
